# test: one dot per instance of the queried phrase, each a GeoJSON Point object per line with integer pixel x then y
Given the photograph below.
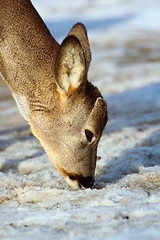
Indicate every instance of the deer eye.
{"type": "Point", "coordinates": [89, 135]}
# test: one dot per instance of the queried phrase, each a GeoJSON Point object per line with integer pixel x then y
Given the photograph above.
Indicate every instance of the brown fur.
{"type": "Point", "coordinates": [49, 83]}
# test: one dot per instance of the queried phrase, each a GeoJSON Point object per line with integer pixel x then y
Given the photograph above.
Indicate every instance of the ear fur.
{"type": "Point", "coordinates": [79, 31]}
{"type": "Point", "coordinates": [98, 116]}
{"type": "Point", "coordinates": [70, 66]}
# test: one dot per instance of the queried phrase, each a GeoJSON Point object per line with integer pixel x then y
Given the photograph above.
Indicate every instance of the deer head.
{"type": "Point", "coordinates": [71, 129]}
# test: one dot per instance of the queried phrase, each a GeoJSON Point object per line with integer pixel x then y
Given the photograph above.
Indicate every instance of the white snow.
{"type": "Point", "coordinates": [35, 201]}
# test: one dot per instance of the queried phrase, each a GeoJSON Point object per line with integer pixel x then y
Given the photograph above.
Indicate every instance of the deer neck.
{"type": "Point", "coordinates": [28, 53]}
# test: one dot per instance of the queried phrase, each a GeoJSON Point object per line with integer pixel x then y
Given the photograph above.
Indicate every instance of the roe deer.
{"type": "Point", "coordinates": [49, 84]}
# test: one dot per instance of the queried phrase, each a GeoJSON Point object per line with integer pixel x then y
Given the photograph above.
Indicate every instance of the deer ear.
{"type": "Point", "coordinates": [70, 66]}
{"type": "Point", "coordinates": [79, 31]}
{"type": "Point", "coordinates": [98, 117]}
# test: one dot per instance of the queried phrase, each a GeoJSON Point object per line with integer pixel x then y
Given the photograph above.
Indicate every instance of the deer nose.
{"type": "Point", "coordinates": [86, 182]}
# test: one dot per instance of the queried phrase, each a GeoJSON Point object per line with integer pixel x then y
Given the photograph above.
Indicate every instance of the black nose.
{"type": "Point", "coordinates": [86, 182]}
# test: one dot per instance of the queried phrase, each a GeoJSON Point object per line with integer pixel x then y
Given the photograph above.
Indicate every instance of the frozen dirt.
{"type": "Point", "coordinates": [35, 202]}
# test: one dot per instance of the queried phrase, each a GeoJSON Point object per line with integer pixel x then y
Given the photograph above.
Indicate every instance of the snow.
{"type": "Point", "coordinates": [35, 202]}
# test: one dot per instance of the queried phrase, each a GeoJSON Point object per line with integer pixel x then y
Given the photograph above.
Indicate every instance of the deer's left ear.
{"type": "Point", "coordinates": [70, 66]}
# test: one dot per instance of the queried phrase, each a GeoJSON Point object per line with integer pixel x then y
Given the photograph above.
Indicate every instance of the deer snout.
{"type": "Point", "coordinates": [77, 181]}
{"type": "Point", "coordinates": [86, 182]}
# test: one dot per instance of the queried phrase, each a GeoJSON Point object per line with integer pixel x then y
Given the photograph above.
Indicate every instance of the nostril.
{"type": "Point", "coordinates": [72, 177]}
{"type": "Point", "coordinates": [86, 182]}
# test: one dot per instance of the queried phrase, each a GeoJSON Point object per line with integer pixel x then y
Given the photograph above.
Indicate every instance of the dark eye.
{"type": "Point", "coordinates": [89, 135]}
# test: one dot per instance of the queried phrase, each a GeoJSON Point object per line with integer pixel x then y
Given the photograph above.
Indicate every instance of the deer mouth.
{"type": "Point", "coordinates": [86, 182]}
{"type": "Point", "coordinates": [77, 181]}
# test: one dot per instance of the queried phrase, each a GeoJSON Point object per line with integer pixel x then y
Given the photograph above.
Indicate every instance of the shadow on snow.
{"type": "Point", "coordinates": [138, 109]}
